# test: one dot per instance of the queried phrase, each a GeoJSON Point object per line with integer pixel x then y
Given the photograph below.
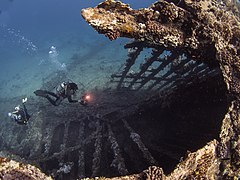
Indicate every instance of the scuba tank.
{"type": "Point", "coordinates": [60, 89]}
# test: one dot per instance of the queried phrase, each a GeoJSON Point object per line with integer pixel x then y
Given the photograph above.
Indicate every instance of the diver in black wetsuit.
{"type": "Point", "coordinates": [63, 90]}
{"type": "Point", "coordinates": [20, 115]}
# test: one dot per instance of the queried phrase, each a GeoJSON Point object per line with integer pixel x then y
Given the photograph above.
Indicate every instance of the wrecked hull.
{"type": "Point", "coordinates": [203, 41]}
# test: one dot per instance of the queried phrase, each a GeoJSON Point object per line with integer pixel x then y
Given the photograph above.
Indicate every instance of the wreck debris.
{"type": "Point", "coordinates": [10, 169]}
{"type": "Point", "coordinates": [98, 150]}
{"type": "Point", "coordinates": [132, 56]}
{"type": "Point", "coordinates": [195, 53]}
{"type": "Point", "coordinates": [118, 161]}
{"type": "Point", "coordinates": [88, 131]}
{"type": "Point", "coordinates": [153, 172]}
{"type": "Point", "coordinates": [204, 31]}
{"type": "Point", "coordinates": [174, 68]}
{"type": "Point", "coordinates": [137, 139]}
{"type": "Point", "coordinates": [81, 161]}
{"type": "Point", "coordinates": [73, 143]}
{"type": "Point", "coordinates": [145, 67]}
{"type": "Point", "coordinates": [65, 136]}
{"type": "Point", "coordinates": [202, 164]}
{"type": "Point", "coordinates": [81, 165]}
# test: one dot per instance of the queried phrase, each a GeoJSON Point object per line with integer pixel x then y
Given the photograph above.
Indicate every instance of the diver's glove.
{"type": "Point", "coordinates": [84, 99]}
{"type": "Point", "coordinates": [83, 102]}
{"type": "Point", "coordinates": [24, 100]}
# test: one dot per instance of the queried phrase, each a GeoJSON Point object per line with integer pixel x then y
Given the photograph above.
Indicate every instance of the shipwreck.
{"type": "Point", "coordinates": [174, 108]}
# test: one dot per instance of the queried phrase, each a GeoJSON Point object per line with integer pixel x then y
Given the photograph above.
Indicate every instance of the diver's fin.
{"type": "Point", "coordinates": [24, 100]}
{"type": "Point", "coordinates": [41, 93]}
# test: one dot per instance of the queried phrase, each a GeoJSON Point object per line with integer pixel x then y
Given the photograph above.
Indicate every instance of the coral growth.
{"type": "Point", "coordinates": [10, 169]}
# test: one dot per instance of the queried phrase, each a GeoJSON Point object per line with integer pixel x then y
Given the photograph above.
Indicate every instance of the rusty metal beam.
{"type": "Point", "coordinates": [132, 56]}
{"type": "Point", "coordinates": [146, 65]}
{"type": "Point", "coordinates": [174, 77]}
{"type": "Point", "coordinates": [161, 67]}
{"type": "Point", "coordinates": [174, 55]}
{"type": "Point", "coordinates": [196, 70]}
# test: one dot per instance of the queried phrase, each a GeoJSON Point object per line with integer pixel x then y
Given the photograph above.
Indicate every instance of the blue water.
{"type": "Point", "coordinates": [28, 29]}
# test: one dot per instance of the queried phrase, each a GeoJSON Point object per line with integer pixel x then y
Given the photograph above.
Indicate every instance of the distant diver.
{"type": "Point", "coordinates": [20, 115]}
{"type": "Point", "coordinates": [63, 90]}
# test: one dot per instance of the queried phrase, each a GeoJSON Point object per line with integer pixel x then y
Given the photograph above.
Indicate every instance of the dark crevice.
{"type": "Point", "coordinates": [73, 133]}
{"type": "Point", "coordinates": [193, 118]}
{"type": "Point", "coordinates": [106, 159]}
{"type": "Point", "coordinates": [130, 150]}
{"type": "Point", "coordinates": [57, 139]}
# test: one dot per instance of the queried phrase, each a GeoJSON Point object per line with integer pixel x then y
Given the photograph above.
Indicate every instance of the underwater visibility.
{"type": "Point", "coordinates": [125, 89]}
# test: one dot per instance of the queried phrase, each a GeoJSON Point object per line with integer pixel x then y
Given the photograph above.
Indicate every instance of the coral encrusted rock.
{"type": "Point", "coordinates": [12, 170]}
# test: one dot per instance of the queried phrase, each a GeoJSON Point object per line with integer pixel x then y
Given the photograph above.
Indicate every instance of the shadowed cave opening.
{"type": "Point", "coordinates": [158, 132]}
{"type": "Point", "coordinates": [192, 118]}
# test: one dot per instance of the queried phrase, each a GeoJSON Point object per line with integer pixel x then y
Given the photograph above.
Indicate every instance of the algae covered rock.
{"type": "Point", "coordinates": [10, 169]}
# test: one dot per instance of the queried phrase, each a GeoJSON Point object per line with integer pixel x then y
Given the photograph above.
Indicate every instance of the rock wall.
{"type": "Point", "coordinates": [10, 169]}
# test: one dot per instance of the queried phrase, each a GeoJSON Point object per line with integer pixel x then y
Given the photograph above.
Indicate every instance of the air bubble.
{"type": "Point", "coordinates": [13, 36]}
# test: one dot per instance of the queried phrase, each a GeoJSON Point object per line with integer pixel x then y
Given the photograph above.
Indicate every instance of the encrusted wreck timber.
{"type": "Point", "coordinates": [194, 27]}
{"type": "Point", "coordinates": [205, 31]}
{"type": "Point", "coordinates": [10, 169]}
{"type": "Point", "coordinates": [118, 161]}
{"type": "Point", "coordinates": [202, 164]}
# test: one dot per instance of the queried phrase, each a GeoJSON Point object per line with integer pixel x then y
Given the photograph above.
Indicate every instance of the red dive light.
{"type": "Point", "coordinates": [87, 97]}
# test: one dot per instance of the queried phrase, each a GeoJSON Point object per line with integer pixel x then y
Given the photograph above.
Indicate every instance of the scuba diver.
{"type": "Point", "coordinates": [63, 90]}
{"type": "Point", "coordinates": [20, 115]}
